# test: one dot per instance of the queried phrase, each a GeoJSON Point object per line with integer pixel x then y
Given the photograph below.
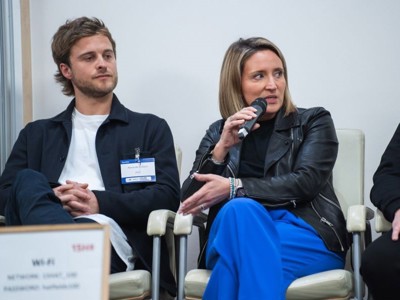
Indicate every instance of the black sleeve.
{"type": "Point", "coordinates": [385, 192]}
{"type": "Point", "coordinates": [203, 163]}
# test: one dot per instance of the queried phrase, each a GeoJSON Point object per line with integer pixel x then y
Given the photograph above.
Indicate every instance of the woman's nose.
{"type": "Point", "coordinates": [270, 84]}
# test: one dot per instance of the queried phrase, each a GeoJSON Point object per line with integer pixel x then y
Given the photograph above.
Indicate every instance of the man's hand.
{"type": "Point", "coordinates": [77, 199]}
{"type": "Point", "coordinates": [396, 226]}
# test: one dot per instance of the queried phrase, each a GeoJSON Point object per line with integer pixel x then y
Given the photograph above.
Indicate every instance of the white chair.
{"type": "Point", "coordinates": [140, 284]}
{"type": "Point", "coordinates": [348, 181]}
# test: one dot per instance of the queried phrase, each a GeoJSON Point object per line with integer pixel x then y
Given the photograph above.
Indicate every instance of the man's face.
{"type": "Point", "coordinates": [93, 68]}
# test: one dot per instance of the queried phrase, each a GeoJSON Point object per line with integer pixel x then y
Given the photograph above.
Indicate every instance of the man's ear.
{"type": "Point", "coordinates": [66, 71]}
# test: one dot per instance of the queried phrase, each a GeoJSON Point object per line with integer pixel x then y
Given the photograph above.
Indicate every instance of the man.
{"type": "Point", "coordinates": [97, 160]}
{"type": "Point", "coordinates": [380, 265]}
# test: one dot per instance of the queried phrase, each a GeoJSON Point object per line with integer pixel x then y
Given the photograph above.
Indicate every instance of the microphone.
{"type": "Point", "coordinates": [261, 105]}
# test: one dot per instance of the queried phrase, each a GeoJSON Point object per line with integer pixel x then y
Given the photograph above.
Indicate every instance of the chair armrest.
{"type": "Point", "coordinates": [2, 220]}
{"type": "Point", "coordinates": [357, 217]}
{"type": "Point", "coordinates": [138, 283]}
{"type": "Point", "coordinates": [157, 224]}
{"type": "Point", "coordinates": [381, 224]}
{"type": "Point", "coordinates": [159, 220]}
{"type": "Point", "coordinates": [357, 223]}
{"type": "Point", "coordinates": [183, 224]}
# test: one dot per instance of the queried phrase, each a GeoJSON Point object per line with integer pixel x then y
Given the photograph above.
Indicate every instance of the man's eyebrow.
{"type": "Point", "coordinates": [86, 54]}
{"type": "Point", "coordinates": [93, 52]}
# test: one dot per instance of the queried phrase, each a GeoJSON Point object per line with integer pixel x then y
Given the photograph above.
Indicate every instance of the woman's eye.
{"type": "Point", "coordinates": [278, 74]}
{"type": "Point", "coordinates": [258, 76]}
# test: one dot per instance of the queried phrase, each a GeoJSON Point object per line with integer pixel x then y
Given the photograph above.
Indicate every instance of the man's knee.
{"type": "Point", "coordinates": [20, 192]}
{"type": "Point", "coordinates": [380, 256]}
{"type": "Point", "coordinates": [29, 183]}
{"type": "Point", "coordinates": [29, 180]}
{"type": "Point", "coordinates": [367, 263]}
{"type": "Point", "coordinates": [27, 176]}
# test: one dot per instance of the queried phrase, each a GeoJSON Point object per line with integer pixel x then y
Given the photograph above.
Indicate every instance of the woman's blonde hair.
{"type": "Point", "coordinates": [230, 87]}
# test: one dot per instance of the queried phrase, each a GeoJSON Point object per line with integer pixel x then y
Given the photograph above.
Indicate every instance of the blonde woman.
{"type": "Point", "coordinates": [273, 215]}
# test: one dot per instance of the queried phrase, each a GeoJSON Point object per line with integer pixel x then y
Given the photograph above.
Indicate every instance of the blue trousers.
{"type": "Point", "coordinates": [33, 202]}
{"type": "Point", "coordinates": [255, 253]}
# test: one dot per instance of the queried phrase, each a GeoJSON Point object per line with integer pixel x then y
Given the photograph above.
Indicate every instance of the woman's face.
{"type": "Point", "coordinates": [263, 76]}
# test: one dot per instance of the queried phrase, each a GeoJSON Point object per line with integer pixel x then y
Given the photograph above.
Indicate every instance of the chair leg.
{"type": "Point", "coordinates": [155, 276]}
{"type": "Point", "coordinates": [358, 282]}
{"type": "Point", "coordinates": [182, 266]}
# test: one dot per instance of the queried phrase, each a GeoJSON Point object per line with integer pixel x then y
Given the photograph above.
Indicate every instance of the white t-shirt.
{"type": "Point", "coordinates": [82, 164]}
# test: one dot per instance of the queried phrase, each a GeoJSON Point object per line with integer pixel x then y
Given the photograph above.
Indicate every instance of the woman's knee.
{"type": "Point", "coordinates": [243, 203]}
{"type": "Point", "coordinates": [244, 209]}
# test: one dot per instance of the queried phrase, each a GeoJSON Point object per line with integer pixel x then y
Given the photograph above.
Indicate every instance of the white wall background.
{"type": "Point", "coordinates": [342, 55]}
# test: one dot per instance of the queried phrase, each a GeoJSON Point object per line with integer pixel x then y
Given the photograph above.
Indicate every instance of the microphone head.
{"type": "Point", "coordinates": [262, 103]}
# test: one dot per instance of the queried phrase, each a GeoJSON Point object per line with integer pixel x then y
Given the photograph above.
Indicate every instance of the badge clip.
{"type": "Point", "coordinates": [137, 155]}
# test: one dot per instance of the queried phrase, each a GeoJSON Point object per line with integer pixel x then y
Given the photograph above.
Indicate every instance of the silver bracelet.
{"type": "Point", "coordinates": [231, 188]}
{"type": "Point", "coordinates": [217, 162]}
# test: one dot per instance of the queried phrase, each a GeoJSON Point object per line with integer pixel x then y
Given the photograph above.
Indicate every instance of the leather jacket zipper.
{"type": "Point", "coordinates": [330, 201]}
{"type": "Point", "coordinates": [292, 148]}
{"type": "Point", "coordinates": [230, 170]}
{"type": "Point", "coordinates": [202, 161]}
{"type": "Point", "coordinates": [325, 221]}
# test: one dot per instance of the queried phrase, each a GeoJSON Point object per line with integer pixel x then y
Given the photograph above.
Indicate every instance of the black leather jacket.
{"type": "Point", "coordinates": [297, 173]}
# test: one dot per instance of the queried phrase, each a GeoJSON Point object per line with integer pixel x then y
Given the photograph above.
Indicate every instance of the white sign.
{"type": "Point", "coordinates": [49, 262]}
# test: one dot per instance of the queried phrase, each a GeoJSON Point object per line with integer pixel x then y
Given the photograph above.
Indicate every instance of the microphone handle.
{"type": "Point", "coordinates": [248, 125]}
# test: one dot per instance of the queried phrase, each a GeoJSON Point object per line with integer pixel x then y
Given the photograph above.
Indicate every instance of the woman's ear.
{"type": "Point", "coordinates": [66, 71]}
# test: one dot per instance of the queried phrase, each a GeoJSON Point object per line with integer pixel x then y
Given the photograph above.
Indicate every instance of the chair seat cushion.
{"type": "Point", "coordinates": [195, 283]}
{"type": "Point", "coordinates": [130, 285]}
{"type": "Point", "coordinates": [334, 284]}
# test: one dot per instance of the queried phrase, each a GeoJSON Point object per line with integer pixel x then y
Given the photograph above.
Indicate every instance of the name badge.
{"type": "Point", "coordinates": [138, 170]}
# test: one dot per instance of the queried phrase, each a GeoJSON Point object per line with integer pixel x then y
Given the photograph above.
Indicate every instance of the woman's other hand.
{"type": "Point", "coordinates": [215, 190]}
